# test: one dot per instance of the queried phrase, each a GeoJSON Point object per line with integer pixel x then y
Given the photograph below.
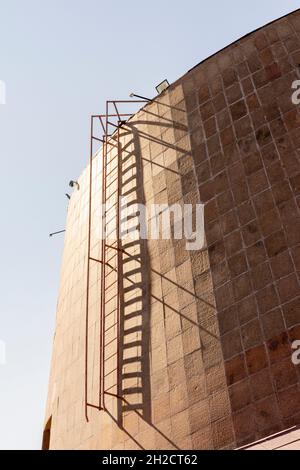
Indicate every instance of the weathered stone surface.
{"type": "Point", "coordinates": [206, 346]}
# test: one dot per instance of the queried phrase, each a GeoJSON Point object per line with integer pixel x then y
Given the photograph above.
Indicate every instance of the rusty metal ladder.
{"type": "Point", "coordinates": [110, 255]}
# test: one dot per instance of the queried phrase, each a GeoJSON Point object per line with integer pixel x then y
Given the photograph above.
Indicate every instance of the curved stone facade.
{"type": "Point", "coordinates": [207, 335]}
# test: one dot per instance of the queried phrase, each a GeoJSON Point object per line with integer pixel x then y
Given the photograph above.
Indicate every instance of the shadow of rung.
{"type": "Point", "coordinates": [131, 375]}
{"type": "Point", "coordinates": [133, 301]}
{"type": "Point", "coordinates": [133, 330]}
{"type": "Point", "coordinates": [129, 316]}
{"type": "Point", "coordinates": [131, 360]}
{"type": "Point", "coordinates": [136, 285]}
{"type": "Point", "coordinates": [133, 407]}
{"type": "Point", "coordinates": [132, 390]}
{"type": "Point", "coordinates": [133, 344]}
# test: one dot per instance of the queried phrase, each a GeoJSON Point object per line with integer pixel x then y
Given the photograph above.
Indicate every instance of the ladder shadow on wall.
{"type": "Point", "coordinates": [134, 288]}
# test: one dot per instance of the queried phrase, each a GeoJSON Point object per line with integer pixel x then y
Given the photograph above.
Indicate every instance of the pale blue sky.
{"type": "Point", "coordinates": [61, 59]}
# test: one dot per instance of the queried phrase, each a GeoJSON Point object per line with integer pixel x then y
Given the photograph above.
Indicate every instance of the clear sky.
{"type": "Point", "coordinates": [60, 60]}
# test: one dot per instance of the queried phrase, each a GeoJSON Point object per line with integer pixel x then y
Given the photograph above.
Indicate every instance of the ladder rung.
{"type": "Point", "coordinates": [111, 182]}
{"type": "Point", "coordinates": [129, 191]}
{"type": "Point", "coordinates": [132, 360]}
{"type": "Point", "coordinates": [109, 357]}
{"type": "Point", "coordinates": [129, 316]}
{"type": "Point", "coordinates": [113, 257]}
{"type": "Point", "coordinates": [135, 329]}
{"type": "Point", "coordinates": [136, 285]}
{"type": "Point", "coordinates": [133, 344]}
{"type": "Point", "coordinates": [132, 301]}
{"type": "Point", "coordinates": [131, 375]}
{"type": "Point", "coordinates": [111, 387]}
{"type": "Point", "coordinates": [110, 299]}
{"type": "Point", "coordinates": [133, 406]}
{"type": "Point", "coordinates": [110, 327]}
{"type": "Point", "coordinates": [115, 248]}
{"type": "Point", "coordinates": [110, 285]}
{"type": "Point", "coordinates": [110, 172]}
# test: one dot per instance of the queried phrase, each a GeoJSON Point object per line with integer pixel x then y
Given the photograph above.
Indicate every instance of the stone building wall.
{"type": "Point", "coordinates": [206, 335]}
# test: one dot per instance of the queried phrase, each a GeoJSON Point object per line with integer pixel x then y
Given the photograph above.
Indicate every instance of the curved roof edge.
{"type": "Point", "coordinates": [235, 42]}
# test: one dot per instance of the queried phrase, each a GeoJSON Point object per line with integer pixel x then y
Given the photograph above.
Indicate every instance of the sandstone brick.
{"type": "Point", "coordinates": [275, 173]}
{"type": "Point", "coordinates": [289, 401]}
{"type": "Point", "coordinates": [291, 312]}
{"type": "Point", "coordinates": [222, 434]}
{"type": "Point", "coordinates": [203, 172]}
{"type": "Point", "coordinates": [216, 253]}
{"type": "Point", "coordinates": [200, 153]}
{"type": "Point", "coordinates": [278, 347]}
{"type": "Point", "coordinates": [288, 287]}
{"type": "Point", "coordinates": [238, 110]}
{"type": "Point", "coordinates": [263, 202]}
{"type": "Point", "coordinates": [219, 102]}
{"type": "Point", "coordinates": [246, 212]}
{"type": "Point", "coordinates": [275, 243]}
{"type": "Point", "coordinates": [267, 413]}
{"type": "Point", "coordinates": [234, 93]}
{"type": "Point", "coordinates": [223, 119]}
{"type": "Point", "coordinates": [256, 254]}
{"type": "Point", "coordinates": [241, 286]}
{"type": "Point", "coordinates": [247, 310]}
{"type": "Point", "coordinates": [260, 78]}
{"type": "Point", "coordinates": [269, 222]}
{"type": "Point", "coordinates": [199, 416]}
{"type": "Point", "coordinates": [243, 127]}
{"type": "Point", "coordinates": [213, 144]}
{"type": "Point", "coordinates": [294, 333]}
{"type": "Point", "coordinates": [251, 334]}
{"type": "Point", "coordinates": [251, 233]}
{"type": "Point", "coordinates": [207, 191]}
{"type": "Point", "coordinates": [237, 264]}
{"type": "Point", "coordinates": [261, 275]}
{"type": "Point", "coordinates": [228, 319]}
{"type": "Point", "coordinates": [235, 369]}
{"type": "Point", "coordinates": [225, 202]}
{"type": "Point", "coordinates": [282, 265]}
{"type": "Point", "coordinates": [233, 243]}
{"type": "Point", "coordinates": [258, 182]}
{"type": "Point", "coordinates": [244, 423]}
{"type": "Point", "coordinates": [231, 343]}
{"type": "Point", "coordinates": [256, 359]}
{"type": "Point", "coordinates": [210, 127]}
{"type": "Point", "coordinates": [203, 94]}
{"type": "Point", "coordinates": [247, 85]}
{"type": "Point", "coordinates": [196, 390]}
{"type": "Point", "coordinates": [240, 395]}
{"type": "Point", "coordinates": [261, 385]}
{"type": "Point", "coordinates": [206, 110]}
{"type": "Point", "coordinates": [227, 136]}
{"type": "Point", "coordinates": [229, 77]}
{"type": "Point", "coordinates": [284, 374]}
{"type": "Point", "coordinates": [202, 439]}
{"type": "Point", "coordinates": [273, 323]}
{"type": "Point", "coordinates": [267, 298]}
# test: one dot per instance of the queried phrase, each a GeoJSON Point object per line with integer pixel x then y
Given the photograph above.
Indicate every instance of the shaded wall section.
{"type": "Point", "coordinates": [244, 132]}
